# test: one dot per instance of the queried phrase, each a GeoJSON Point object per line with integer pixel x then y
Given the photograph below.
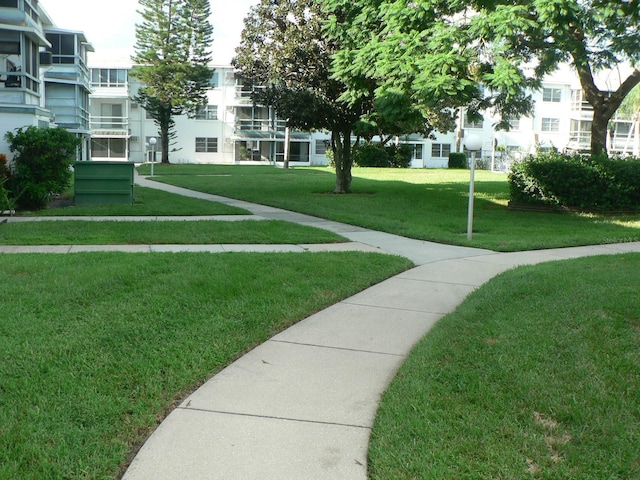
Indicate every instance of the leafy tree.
{"type": "Point", "coordinates": [41, 163]}
{"type": "Point", "coordinates": [284, 50]}
{"type": "Point", "coordinates": [172, 57]}
{"type": "Point", "coordinates": [439, 52]}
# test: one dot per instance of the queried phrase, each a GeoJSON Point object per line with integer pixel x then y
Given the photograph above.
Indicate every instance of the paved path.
{"type": "Point", "coordinates": [301, 405]}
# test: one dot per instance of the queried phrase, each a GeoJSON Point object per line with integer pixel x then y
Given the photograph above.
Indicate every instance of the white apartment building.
{"type": "Point", "coordinates": [45, 81]}
{"type": "Point", "coordinates": [231, 130]}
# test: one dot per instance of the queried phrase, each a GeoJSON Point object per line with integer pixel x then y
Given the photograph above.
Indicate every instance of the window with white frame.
{"type": "Point", "coordinates": [440, 150]}
{"type": "Point", "coordinates": [580, 131]}
{"type": "Point", "coordinates": [514, 124]}
{"type": "Point", "coordinates": [206, 144]}
{"type": "Point", "coordinates": [550, 125]}
{"type": "Point", "coordinates": [550, 94]}
{"type": "Point", "coordinates": [109, 77]}
{"type": "Point", "coordinates": [208, 112]}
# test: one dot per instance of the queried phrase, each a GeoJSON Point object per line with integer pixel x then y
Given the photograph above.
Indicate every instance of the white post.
{"type": "Point", "coordinates": [152, 142]}
{"type": "Point", "coordinates": [473, 143]}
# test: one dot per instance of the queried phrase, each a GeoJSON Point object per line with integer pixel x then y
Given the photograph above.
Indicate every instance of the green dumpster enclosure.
{"type": "Point", "coordinates": [103, 183]}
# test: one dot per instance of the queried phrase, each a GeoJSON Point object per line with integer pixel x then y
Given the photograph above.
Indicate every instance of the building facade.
{"type": "Point", "coordinates": [230, 129]}
{"type": "Point", "coordinates": [44, 79]}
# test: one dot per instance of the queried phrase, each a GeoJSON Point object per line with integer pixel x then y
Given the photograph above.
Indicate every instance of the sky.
{"type": "Point", "coordinates": [109, 26]}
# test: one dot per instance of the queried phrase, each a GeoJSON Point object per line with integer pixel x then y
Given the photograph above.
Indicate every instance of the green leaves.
{"type": "Point", "coordinates": [436, 50]}
{"type": "Point", "coordinates": [41, 163]}
{"type": "Point", "coordinates": [172, 57]}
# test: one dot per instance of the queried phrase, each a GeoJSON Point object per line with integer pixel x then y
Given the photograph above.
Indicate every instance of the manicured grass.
{"type": "Point", "coordinates": [76, 232]}
{"type": "Point", "coordinates": [148, 201]}
{"type": "Point", "coordinates": [417, 203]}
{"type": "Point", "coordinates": [96, 348]}
{"type": "Point", "coordinates": [534, 376]}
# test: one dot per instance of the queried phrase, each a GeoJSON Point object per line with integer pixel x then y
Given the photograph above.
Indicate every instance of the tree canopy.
{"type": "Point", "coordinates": [285, 47]}
{"type": "Point", "coordinates": [172, 60]}
{"type": "Point", "coordinates": [485, 54]}
{"type": "Point", "coordinates": [284, 50]}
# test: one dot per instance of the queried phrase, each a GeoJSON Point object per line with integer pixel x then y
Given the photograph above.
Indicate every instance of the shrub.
{"type": "Point", "coordinates": [576, 181]}
{"type": "Point", "coordinates": [375, 155]}
{"type": "Point", "coordinates": [400, 155]}
{"type": "Point", "coordinates": [370, 155]}
{"type": "Point", "coordinates": [457, 160]}
{"type": "Point", "coordinates": [41, 163]}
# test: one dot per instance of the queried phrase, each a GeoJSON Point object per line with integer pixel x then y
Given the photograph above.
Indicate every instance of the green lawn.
{"type": "Point", "coordinates": [96, 348]}
{"type": "Point", "coordinates": [76, 232]}
{"type": "Point", "coordinates": [147, 201]}
{"type": "Point", "coordinates": [417, 203]}
{"type": "Point", "coordinates": [536, 375]}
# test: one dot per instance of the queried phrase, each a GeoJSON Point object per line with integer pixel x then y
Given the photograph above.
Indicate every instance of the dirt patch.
{"type": "Point", "coordinates": [59, 201]}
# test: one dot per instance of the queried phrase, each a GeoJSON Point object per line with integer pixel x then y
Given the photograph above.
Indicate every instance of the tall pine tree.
{"type": "Point", "coordinates": [172, 57]}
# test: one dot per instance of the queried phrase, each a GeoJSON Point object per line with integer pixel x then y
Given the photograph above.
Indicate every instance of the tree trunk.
{"type": "Point", "coordinates": [164, 141]}
{"type": "Point", "coordinates": [605, 104]}
{"type": "Point", "coordinates": [343, 158]}
{"type": "Point", "coordinates": [599, 128]}
{"type": "Point", "coordinates": [164, 125]}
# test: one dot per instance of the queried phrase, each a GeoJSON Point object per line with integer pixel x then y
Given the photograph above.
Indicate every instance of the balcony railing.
{"type": "Point", "coordinates": [244, 93]}
{"type": "Point", "coordinates": [113, 126]}
{"type": "Point", "coordinates": [260, 125]}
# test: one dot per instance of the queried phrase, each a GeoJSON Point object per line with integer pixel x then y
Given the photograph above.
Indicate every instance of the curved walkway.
{"type": "Point", "coordinates": [302, 405]}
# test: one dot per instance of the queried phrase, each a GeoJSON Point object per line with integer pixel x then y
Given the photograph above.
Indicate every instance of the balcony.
{"type": "Point", "coordinates": [109, 126]}
{"type": "Point", "coordinates": [243, 94]}
{"type": "Point", "coordinates": [260, 125]}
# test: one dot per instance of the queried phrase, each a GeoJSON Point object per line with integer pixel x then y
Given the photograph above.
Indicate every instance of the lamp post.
{"type": "Point", "coordinates": [152, 142]}
{"type": "Point", "coordinates": [473, 143]}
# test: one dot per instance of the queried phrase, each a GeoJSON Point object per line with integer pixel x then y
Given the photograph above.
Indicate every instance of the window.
{"type": "Point", "coordinates": [551, 94]}
{"type": "Point", "coordinates": [417, 152]}
{"type": "Point", "coordinates": [440, 150]}
{"type": "Point", "coordinates": [514, 124]}
{"type": "Point", "coordinates": [472, 124]}
{"type": "Point", "coordinates": [214, 82]}
{"type": "Point", "coordinates": [321, 147]}
{"type": "Point", "coordinates": [206, 144]}
{"type": "Point", "coordinates": [111, 116]}
{"type": "Point", "coordinates": [63, 47]}
{"type": "Point", "coordinates": [109, 77]}
{"type": "Point", "coordinates": [580, 131]}
{"type": "Point", "coordinates": [108, 147]}
{"type": "Point", "coordinates": [550, 125]}
{"type": "Point", "coordinates": [9, 3]}
{"type": "Point", "coordinates": [210, 112]}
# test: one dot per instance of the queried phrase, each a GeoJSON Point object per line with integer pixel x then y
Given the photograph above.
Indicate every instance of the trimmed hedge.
{"type": "Point", "coordinates": [594, 184]}
{"type": "Point", "coordinates": [458, 160]}
{"type": "Point", "coordinates": [389, 156]}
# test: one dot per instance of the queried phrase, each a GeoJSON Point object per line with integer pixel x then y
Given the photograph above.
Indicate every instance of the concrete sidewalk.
{"type": "Point", "coordinates": [302, 405]}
